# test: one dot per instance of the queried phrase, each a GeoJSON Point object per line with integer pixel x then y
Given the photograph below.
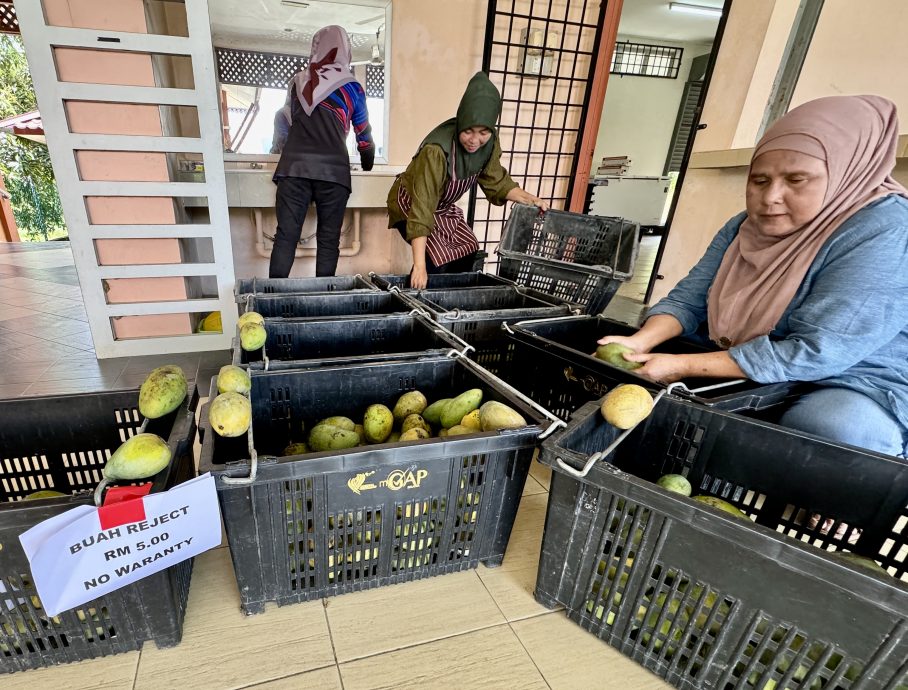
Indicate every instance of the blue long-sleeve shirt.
{"type": "Point", "coordinates": [847, 324]}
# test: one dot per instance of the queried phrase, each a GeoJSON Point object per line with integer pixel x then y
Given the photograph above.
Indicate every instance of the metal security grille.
{"type": "Point", "coordinates": [9, 24]}
{"type": "Point", "coordinates": [250, 68]}
{"type": "Point", "coordinates": [646, 60]}
{"type": "Point", "coordinates": [375, 81]}
{"type": "Point", "coordinates": [541, 56]}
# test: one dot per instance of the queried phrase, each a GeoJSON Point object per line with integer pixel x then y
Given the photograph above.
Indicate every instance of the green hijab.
{"type": "Point", "coordinates": [479, 106]}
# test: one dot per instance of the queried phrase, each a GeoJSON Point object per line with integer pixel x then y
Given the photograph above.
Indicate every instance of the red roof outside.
{"type": "Point", "coordinates": [26, 124]}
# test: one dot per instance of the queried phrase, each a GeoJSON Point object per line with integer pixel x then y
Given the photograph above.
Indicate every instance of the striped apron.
{"type": "Point", "coordinates": [452, 238]}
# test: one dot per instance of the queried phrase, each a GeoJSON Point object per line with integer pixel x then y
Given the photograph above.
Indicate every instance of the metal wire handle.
{"type": "Point", "coordinates": [253, 464]}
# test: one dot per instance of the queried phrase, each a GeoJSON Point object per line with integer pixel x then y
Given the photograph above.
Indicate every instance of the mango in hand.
{"type": "Point", "coordinates": [613, 353]}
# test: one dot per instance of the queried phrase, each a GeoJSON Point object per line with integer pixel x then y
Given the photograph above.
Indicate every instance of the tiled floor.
{"type": "Point", "coordinates": [44, 337]}
{"type": "Point", "coordinates": [474, 629]}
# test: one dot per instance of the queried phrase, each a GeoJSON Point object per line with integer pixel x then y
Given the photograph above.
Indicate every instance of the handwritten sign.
{"type": "Point", "coordinates": [80, 555]}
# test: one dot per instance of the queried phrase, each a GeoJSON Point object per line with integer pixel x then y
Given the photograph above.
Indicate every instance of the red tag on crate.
{"type": "Point", "coordinates": [123, 504]}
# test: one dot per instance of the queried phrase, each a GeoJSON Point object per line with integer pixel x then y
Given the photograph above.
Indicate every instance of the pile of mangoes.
{"type": "Point", "coordinates": [230, 413]}
{"type": "Point", "coordinates": [412, 418]}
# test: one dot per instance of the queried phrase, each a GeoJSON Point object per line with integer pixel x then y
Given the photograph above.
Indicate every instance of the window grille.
{"type": "Point", "coordinates": [542, 119]}
{"type": "Point", "coordinates": [9, 24]}
{"type": "Point", "coordinates": [375, 81]}
{"type": "Point", "coordinates": [645, 60]}
{"type": "Point", "coordinates": [251, 68]}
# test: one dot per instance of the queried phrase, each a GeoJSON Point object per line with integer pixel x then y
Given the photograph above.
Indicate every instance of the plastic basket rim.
{"type": "Point", "coordinates": [694, 513]}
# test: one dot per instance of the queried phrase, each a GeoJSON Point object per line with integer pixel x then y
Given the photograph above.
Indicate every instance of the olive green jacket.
{"type": "Point", "coordinates": [425, 180]}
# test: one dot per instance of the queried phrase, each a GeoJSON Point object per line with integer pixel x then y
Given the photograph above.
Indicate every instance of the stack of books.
{"type": "Point", "coordinates": [613, 165]}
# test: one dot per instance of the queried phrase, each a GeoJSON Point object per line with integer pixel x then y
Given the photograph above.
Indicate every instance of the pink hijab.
{"type": "Point", "coordinates": [329, 67]}
{"type": "Point", "coordinates": [856, 136]}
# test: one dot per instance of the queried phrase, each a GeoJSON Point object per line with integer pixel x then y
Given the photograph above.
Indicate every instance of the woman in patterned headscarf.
{"type": "Point", "coordinates": [325, 100]}
{"type": "Point", "coordinates": [811, 282]}
{"type": "Point", "coordinates": [454, 157]}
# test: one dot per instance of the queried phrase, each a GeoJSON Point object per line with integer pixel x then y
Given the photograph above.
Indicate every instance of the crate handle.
{"type": "Point", "coordinates": [453, 314]}
{"type": "Point", "coordinates": [453, 336]}
{"type": "Point", "coordinates": [253, 465]}
{"type": "Point", "coordinates": [703, 389]}
{"type": "Point", "coordinates": [596, 457]}
{"type": "Point", "coordinates": [555, 421]}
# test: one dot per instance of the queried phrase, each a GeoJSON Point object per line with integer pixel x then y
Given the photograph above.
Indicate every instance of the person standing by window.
{"type": "Point", "coordinates": [325, 101]}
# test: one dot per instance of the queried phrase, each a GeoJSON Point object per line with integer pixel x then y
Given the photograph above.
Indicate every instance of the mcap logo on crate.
{"type": "Point", "coordinates": [322, 524]}
{"type": "Point", "coordinates": [413, 477]}
{"type": "Point", "coordinates": [707, 599]}
{"type": "Point", "coordinates": [61, 443]}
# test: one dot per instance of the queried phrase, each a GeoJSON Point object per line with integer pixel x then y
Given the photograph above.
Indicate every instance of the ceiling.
{"type": "Point", "coordinates": [652, 19]}
{"type": "Point", "coordinates": [273, 26]}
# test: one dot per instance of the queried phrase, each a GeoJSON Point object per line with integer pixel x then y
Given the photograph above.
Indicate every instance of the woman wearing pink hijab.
{"type": "Point", "coordinates": [811, 282]}
{"type": "Point", "coordinates": [324, 100]}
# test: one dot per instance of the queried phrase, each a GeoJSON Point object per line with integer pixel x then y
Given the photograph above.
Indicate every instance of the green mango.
{"type": "Point", "coordinates": [230, 414]}
{"type": "Point", "coordinates": [140, 457]}
{"type": "Point", "coordinates": [377, 423]}
{"type": "Point", "coordinates": [326, 437]}
{"type": "Point", "coordinates": [613, 353]}
{"type": "Point", "coordinates": [412, 402]}
{"type": "Point", "coordinates": [44, 493]}
{"type": "Point", "coordinates": [253, 337]}
{"type": "Point", "coordinates": [675, 483]}
{"type": "Point", "coordinates": [233, 379]}
{"type": "Point", "coordinates": [722, 505]}
{"type": "Point", "coordinates": [163, 390]}
{"type": "Point", "coordinates": [432, 414]}
{"type": "Point", "coordinates": [459, 407]}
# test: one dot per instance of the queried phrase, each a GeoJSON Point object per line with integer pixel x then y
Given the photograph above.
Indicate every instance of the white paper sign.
{"type": "Point", "coordinates": [73, 560]}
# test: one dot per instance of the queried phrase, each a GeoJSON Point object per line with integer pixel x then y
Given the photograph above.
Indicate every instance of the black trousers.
{"type": "Point", "coordinates": [294, 195]}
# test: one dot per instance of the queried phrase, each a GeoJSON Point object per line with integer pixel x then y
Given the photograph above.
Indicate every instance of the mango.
{"type": "Point", "coordinates": [417, 433]}
{"type": "Point", "coordinates": [675, 483]}
{"type": "Point", "coordinates": [340, 422]}
{"type": "Point", "coordinates": [230, 414]}
{"type": "Point", "coordinates": [442, 433]}
{"type": "Point", "coordinates": [295, 449]}
{"type": "Point", "coordinates": [163, 390]}
{"type": "Point", "coordinates": [377, 423]}
{"type": "Point", "coordinates": [211, 323]}
{"type": "Point", "coordinates": [327, 437]}
{"type": "Point", "coordinates": [414, 420]}
{"type": "Point", "coordinates": [613, 353]}
{"type": "Point", "coordinates": [494, 415]}
{"type": "Point", "coordinates": [250, 317]}
{"type": "Point", "coordinates": [626, 406]}
{"type": "Point", "coordinates": [233, 379]}
{"type": "Point", "coordinates": [44, 493]}
{"type": "Point", "coordinates": [721, 505]}
{"type": "Point", "coordinates": [460, 430]}
{"type": "Point", "coordinates": [361, 432]}
{"type": "Point", "coordinates": [252, 337]}
{"type": "Point", "coordinates": [432, 414]}
{"type": "Point", "coordinates": [855, 559]}
{"type": "Point", "coordinates": [459, 407]}
{"type": "Point", "coordinates": [393, 438]}
{"type": "Point", "coordinates": [139, 457]}
{"type": "Point", "coordinates": [409, 403]}
{"type": "Point", "coordinates": [472, 420]}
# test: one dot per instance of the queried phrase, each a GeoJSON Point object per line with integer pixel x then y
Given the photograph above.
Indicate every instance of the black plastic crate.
{"type": "Point", "coordinates": [706, 599]}
{"type": "Point", "coordinates": [565, 374]}
{"type": "Point", "coordinates": [328, 523]}
{"type": "Point", "coordinates": [62, 443]}
{"type": "Point", "coordinates": [440, 281]}
{"type": "Point", "coordinates": [574, 257]}
{"type": "Point", "coordinates": [370, 338]}
{"type": "Point", "coordinates": [267, 286]}
{"type": "Point", "coordinates": [476, 316]}
{"type": "Point", "coordinates": [328, 305]}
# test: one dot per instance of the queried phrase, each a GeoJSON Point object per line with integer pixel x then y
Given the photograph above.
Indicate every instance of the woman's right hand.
{"type": "Point", "coordinates": [626, 340]}
{"type": "Point", "coordinates": [418, 277]}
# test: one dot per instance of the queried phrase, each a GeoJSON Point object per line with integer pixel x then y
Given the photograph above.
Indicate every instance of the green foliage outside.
{"type": "Point", "coordinates": [26, 164]}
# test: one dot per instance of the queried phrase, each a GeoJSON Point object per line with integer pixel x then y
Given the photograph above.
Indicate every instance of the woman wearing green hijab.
{"type": "Point", "coordinates": [455, 156]}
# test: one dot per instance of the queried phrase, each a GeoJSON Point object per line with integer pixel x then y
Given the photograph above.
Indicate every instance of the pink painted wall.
{"type": "Point", "coordinates": [134, 69]}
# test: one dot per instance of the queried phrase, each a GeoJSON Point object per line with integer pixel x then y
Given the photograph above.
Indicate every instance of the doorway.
{"type": "Point", "coordinates": [657, 84]}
